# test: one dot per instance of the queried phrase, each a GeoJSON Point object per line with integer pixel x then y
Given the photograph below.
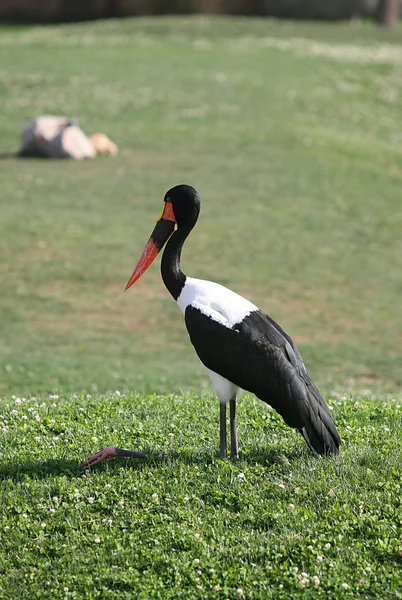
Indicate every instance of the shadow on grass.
{"type": "Point", "coordinates": [6, 155]}
{"type": "Point", "coordinates": [36, 469]}
{"type": "Point", "coordinates": [274, 456]}
{"type": "Point", "coordinates": [29, 157]}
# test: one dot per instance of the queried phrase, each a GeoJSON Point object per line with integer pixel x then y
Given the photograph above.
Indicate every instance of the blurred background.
{"type": "Point", "coordinates": [289, 128]}
{"type": "Point", "coordinates": [64, 10]}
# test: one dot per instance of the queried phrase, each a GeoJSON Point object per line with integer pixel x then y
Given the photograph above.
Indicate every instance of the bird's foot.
{"type": "Point", "coordinates": [110, 453]}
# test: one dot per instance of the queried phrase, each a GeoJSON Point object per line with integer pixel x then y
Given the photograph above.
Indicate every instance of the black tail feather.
{"type": "Point", "coordinates": [319, 429]}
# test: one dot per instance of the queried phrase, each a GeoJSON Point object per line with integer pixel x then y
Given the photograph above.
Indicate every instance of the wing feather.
{"type": "Point", "coordinates": [260, 357]}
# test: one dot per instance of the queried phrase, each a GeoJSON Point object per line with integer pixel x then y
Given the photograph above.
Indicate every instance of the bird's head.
{"type": "Point", "coordinates": [181, 206]}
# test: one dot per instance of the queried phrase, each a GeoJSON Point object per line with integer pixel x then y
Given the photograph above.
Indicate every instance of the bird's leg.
{"type": "Point", "coordinates": [223, 439]}
{"type": "Point", "coordinates": [234, 448]}
{"type": "Point", "coordinates": [110, 453]}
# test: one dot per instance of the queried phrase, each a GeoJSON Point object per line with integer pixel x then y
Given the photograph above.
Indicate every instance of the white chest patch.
{"type": "Point", "coordinates": [224, 389]}
{"type": "Point", "coordinates": [215, 301]}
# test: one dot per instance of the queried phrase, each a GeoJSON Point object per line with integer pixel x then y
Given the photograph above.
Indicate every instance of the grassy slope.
{"type": "Point", "coordinates": [291, 137]}
{"type": "Point", "coordinates": [183, 522]}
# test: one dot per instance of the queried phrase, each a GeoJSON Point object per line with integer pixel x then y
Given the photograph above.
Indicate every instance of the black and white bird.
{"type": "Point", "coordinates": [241, 347]}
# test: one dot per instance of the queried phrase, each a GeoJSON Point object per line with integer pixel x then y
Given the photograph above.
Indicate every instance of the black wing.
{"type": "Point", "coordinates": [260, 357]}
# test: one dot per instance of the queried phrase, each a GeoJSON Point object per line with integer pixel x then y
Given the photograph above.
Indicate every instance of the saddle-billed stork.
{"type": "Point", "coordinates": [241, 347]}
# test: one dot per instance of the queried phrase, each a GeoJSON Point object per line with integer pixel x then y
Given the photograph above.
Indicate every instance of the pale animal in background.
{"type": "Point", "coordinates": [102, 144]}
{"type": "Point", "coordinates": [61, 137]}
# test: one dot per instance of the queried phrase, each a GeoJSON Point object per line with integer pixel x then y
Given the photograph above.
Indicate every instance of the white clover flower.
{"type": "Point", "coordinates": [327, 546]}
{"type": "Point", "coordinates": [18, 401]}
{"type": "Point", "coordinates": [345, 586]}
{"type": "Point", "coordinates": [108, 485]}
{"type": "Point", "coordinates": [37, 417]}
{"type": "Point", "coordinates": [24, 515]}
{"type": "Point", "coordinates": [240, 592]}
{"type": "Point", "coordinates": [171, 435]}
{"type": "Point", "coordinates": [65, 589]}
{"type": "Point", "coordinates": [316, 580]}
{"type": "Point", "coordinates": [97, 540]}
{"type": "Point", "coordinates": [292, 506]}
{"type": "Point", "coordinates": [281, 485]}
{"type": "Point", "coordinates": [241, 476]}
{"type": "Point", "coordinates": [52, 511]}
{"type": "Point", "coordinates": [155, 497]}
{"type": "Point", "coordinates": [196, 561]}
{"type": "Point", "coordinates": [43, 525]}
{"type": "Point", "coordinates": [212, 570]}
{"type": "Point", "coordinates": [319, 559]}
{"type": "Point", "coordinates": [91, 500]}
{"type": "Point", "coordinates": [24, 417]}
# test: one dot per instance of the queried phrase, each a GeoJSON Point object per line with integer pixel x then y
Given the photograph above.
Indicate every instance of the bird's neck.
{"type": "Point", "coordinates": [172, 275]}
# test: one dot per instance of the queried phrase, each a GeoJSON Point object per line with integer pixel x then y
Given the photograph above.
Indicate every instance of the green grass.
{"type": "Point", "coordinates": [183, 523]}
{"type": "Point", "coordinates": [291, 133]}
{"type": "Point", "coordinates": [292, 139]}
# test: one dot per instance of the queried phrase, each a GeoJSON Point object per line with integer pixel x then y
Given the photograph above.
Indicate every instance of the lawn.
{"type": "Point", "coordinates": [279, 523]}
{"type": "Point", "coordinates": [295, 146]}
{"type": "Point", "coordinates": [292, 134]}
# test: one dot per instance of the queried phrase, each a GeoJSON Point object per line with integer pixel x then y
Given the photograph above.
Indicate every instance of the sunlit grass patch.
{"type": "Point", "coordinates": [278, 523]}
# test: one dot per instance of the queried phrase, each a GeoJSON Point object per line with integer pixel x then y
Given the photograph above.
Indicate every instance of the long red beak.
{"type": "Point", "coordinates": [163, 230]}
